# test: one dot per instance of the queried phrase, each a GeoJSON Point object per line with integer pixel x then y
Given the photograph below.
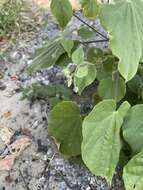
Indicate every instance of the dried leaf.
{"type": "Point", "coordinates": [14, 77]}
{"type": "Point", "coordinates": [26, 132]}
{"type": "Point", "coordinates": [56, 142]}
{"type": "Point", "coordinates": [19, 145]}
{"type": "Point", "coordinates": [6, 163]}
{"type": "Point", "coordinates": [7, 114]}
{"type": "Point", "coordinates": [5, 134]}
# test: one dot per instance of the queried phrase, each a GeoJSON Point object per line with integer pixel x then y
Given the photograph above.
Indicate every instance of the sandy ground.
{"type": "Point", "coordinates": [40, 166]}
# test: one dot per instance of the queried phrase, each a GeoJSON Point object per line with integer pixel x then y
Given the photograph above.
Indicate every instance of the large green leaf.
{"type": "Point", "coordinates": [133, 173]}
{"type": "Point", "coordinates": [133, 128]}
{"type": "Point", "coordinates": [47, 56]}
{"type": "Point", "coordinates": [112, 89]}
{"type": "Point", "coordinates": [90, 8]}
{"type": "Point", "coordinates": [62, 10]}
{"type": "Point", "coordinates": [65, 124]}
{"type": "Point", "coordinates": [101, 138]}
{"type": "Point", "coordinates": [85, 74]}
{"type": "Point", "coordinates": [123, 20]}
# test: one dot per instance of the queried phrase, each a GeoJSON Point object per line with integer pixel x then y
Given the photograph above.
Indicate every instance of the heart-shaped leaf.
{"type": "Point", "coordinates": [133, 128]}
{"type": "Point", "coordinates": [90, 8]}
{"type": "Point", "coordinates": [123, 20]}
{"type": "Point", "coordinates": [62, 10]}
{"type": "Point", "coordinates": [133, 173]}
{"type": "Point", "coordinates": [112, 89]}
{"type": "Point", "coordinates": [85, 33]}
{"type": "Point", "coordinates": [101, 138]}
{"type": "Point", "coordinates": [65, 124]}
{"type": "Point", "coordinates": [78, 56]}
{"type": "Point", "coordinates": [84, 76]}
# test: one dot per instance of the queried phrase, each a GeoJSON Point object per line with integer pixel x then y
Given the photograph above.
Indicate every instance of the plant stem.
{"type": "Point", "coordinates": [81, 20]}
{"type": "Point", "coordinates": [95, 41]}
{"type": "Point", "coordinates": [116, 79]}
{"type": "Point", "coordinates": [26, 185]}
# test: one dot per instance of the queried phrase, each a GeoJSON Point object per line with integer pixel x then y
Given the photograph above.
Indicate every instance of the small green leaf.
{"type": "Point", "coordinates": [78, 56]}
{"type": "Point", "coordinates": [101, 138]}
{"type": "Point", "coordinates": [85, 33]}
{"type": "Point", "coordinates": [67, 44]}
{"type": "Point", "coordinates": [82, 70]}
{"type": "Point", "coordinates": [112, 89]}
{"type": "Point", "coordinates": [133, 128]}
{"type": "Point", "coordinates": [123, 20]}
{"type": "Point", "coordinates": [46, 57]}
{"type": "Point", "coordinates": [90, 8]}
{"type": "Point", "coordinates": [95, 55]}
{"type": "Point", "coordinates": [38, 91]}
{"type": "Point", "coordinates": [135, 84]}
{"type": "Point", "coordinates": [62, 10]}
{"type": "Point", "coordinates": [105, 66]}
{"type": "Point", "coordinates": [63, 60]}
{"type": "Point", "coordinates": [65, 124]}
{"type": "Point", "coordinates": [133, 173]}
{"type": "Point", "coordinates": [84, 76]}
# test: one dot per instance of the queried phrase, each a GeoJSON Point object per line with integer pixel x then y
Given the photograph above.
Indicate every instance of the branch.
{"type": "Point", "coordinates": [81, 20]}
{"type": "Point", "coordinates": [25, 183]}
{"type": "Point", "coordinates": [95, 41]}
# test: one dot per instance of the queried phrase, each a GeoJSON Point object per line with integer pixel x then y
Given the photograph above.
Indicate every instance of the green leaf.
{"type": "Point", "coordinates": [112, 89]}
{"type": "Point", "coordinates": [96, 99]}
{"type": "Point", "coordinates": [84, 76]}
{"type": "Point", "coordinates": [78, 56]}
{"type": "Point", "coordinates": [53, 102]}
{"type": "Point", "coordinates": [133, 173]}
{"type": "Point", "coordinates": [65, 124]}
{"type": "Point", "coordinates": [105, 67]}
{"type": "Point", "coordinates": [123, 21]}
{"type": "Point", "coordinates": [63, 60]}
{"type": "Point", "coordinates": [85, 33]}
{"type": "Point", "coordinates": [95, 55]}
{"type": "Point", "coordinates": [90, 8]}
{"type": "Point", "coordinates": [135, 84]}
{"type": "Point", "coordinates": [62, 10]}
{"type": "Point", "coordinates": [82, 70]}
{"type": "Point", "coordinates": [133, 128]}
{"type": "Point", "coordinates": [67, 44]}
{"type": "Point", "coordinates": [101, 138]}
{"type": "Point", "coordinates": [36, 91]}
{"type": "Point", "coordinates": [46, 57]}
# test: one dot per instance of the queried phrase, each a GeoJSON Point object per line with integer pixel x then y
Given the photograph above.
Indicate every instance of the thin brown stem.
{"type": "Point", "coordinates": [81, 20]}
{"type": "Point", "coordinates": [25, 183]}
{"type": "Point", "coordinates": [95, 41]}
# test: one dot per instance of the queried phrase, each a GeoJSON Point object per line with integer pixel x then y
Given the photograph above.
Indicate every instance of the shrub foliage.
{"type": "Point", "coordinates": [102, 136]}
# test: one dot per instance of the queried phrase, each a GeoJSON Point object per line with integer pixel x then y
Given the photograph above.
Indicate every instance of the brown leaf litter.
{"type": "Point", "coordinates": [15, 149]}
